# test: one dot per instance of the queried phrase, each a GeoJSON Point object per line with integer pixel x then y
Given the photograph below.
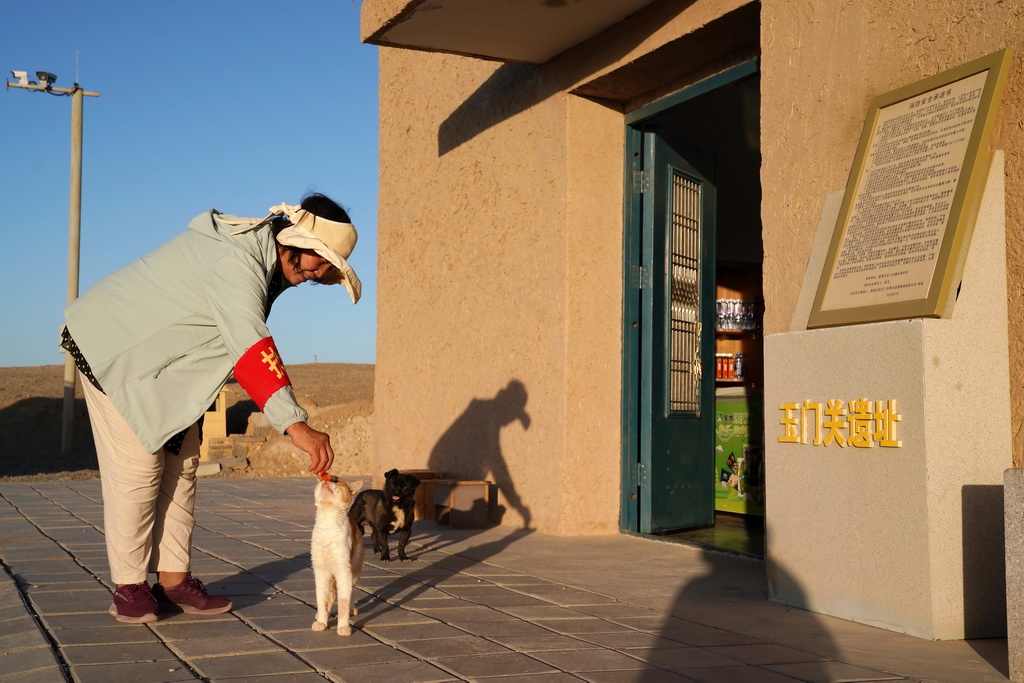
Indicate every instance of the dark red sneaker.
{"type": "Point", "coordinates": [190, 595]}
{"type": "Point", "coordinates": [135, 604]}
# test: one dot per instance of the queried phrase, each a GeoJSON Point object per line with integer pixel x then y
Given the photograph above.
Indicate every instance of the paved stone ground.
{"type": "Point", "coordinates": [488, 604]}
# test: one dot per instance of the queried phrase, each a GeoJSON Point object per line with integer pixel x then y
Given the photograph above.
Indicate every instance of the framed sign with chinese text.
{"type": "Point", "coordinates": [910, 203]}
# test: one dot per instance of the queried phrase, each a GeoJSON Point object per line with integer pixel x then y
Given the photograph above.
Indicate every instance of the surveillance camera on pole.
{"type": "Point", "coordinates": [46, 79]}
{"type": "Point", "coordinates": [45, 84]}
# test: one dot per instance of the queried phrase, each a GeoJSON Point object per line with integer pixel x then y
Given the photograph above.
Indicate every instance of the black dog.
{"type": "Point", "coordinates": [387, 512]}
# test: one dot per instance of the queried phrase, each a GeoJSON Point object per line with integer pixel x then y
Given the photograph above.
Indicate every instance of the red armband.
{"type": "Point", "coordinates": [261, 372]}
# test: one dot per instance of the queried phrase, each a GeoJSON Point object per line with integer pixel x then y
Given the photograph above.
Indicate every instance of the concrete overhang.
{"type": "Point", "coordinates": [523, 31]}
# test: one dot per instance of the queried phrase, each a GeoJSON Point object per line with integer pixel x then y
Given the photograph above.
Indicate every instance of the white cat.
{"type": "Point", "coordinates": [337, 552]}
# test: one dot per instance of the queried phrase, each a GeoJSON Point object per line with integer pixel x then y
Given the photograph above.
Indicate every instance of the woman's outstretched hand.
{"type": "Point", "coordinates": [316, 444]}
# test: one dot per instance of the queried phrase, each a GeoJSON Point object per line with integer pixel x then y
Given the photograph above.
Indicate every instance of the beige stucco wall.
{"type": "Point", "coordinates": [475, 286]}
{"type": "Point", "coordinates": [500, 225]}
{"type": "Point", "coordinates": [822, 64]}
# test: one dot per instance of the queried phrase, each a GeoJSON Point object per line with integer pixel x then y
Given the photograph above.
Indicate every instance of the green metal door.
{"type": "Point", "coordinates": [677, 301]}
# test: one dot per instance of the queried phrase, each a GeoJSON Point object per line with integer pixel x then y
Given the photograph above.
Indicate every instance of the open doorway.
{"type": "Point", "coordinates": [693, 451]}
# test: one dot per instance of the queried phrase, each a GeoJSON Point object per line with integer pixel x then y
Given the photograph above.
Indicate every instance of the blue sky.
{"type": "Point", "coordinates": [236, 105]}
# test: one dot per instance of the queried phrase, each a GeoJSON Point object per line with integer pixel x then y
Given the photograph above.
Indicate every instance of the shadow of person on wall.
{"type": "Point", "coordinates": [471, 448]}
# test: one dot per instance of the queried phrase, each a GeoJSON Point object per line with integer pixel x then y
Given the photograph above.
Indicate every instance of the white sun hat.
{"type": "Point", "coordinates": [331, 240]}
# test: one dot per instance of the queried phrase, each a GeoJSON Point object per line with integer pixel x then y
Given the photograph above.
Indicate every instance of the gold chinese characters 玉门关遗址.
{"type": "Point", "coordinates": [860, 423]}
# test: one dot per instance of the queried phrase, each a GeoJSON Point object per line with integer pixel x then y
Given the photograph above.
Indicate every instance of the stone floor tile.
{"type": "Point", "coordinates": [537, 678]}
{"type": "Point", "coordinates": [299, 581]}
{"type": "Point", "coordinates": [518, 580]}
{"type": "Point", "coordinates": [27, 661]}
{"type": "Point", "coordinates": [84, 620]}
{"type": "Point", "coordinates": [827, 672]}
{"type": "Point", "coordinates": [649, 675]}
{"type": "Point", "coordinates": [490, 571]}
{"type": "Point", "coordinates": [540, 643]}
{"type": "Point", "coordinates": [71, 602]}
{"type": "Point", "coordinates": [307, 596]}
{"type": "Point", "coordinates": [342, 657]}
{"type": "Point", "coordinates": [285, 566]}
{"type": "Point", "coordinates": [452, 647]}
{"type": "Point", "coordinates": [481, 590]}
{"type": "Point", "coordinates": [250, 665]}
{"type": "Point", "coordinates": [27, 638]}
{"type": "Point", "coordinates": [272, 605]}
{"type": "Point", "coordinates": [612, 610]}
{"type": "Point", "coordinates": [192, 649]}
{"type": "Point", "coordinates": [541, 612]}
{"type": "Point", "coordinates": [467, 613]}
{"type": "Point", "coordinates": [44, 577]}
{"type": "Point", "coordinates": [575, 661]}
{"type": "Point", "coordinates": [509, 600]}
{"type": "Point", "coordinates": [629, 639]}
{"type": "Point", "coordinates": [390, 672]}
{"type": "Point", "coordinates": [426, 603]}
{"type": "Point", "coordinates": [285, 622]}
{"type": "Point", "coordinates": [765, 653]}
{"type": "Point", "coordinates": [150, 672]}
{"type": "Point", "coordinates": [17, 621]}
{"type": "Point", "coordinates": [389, 615]}
{"type": "Point", "coordinates": [73, 534]}
{"type": "Point", "coordinates": [48, 675]}
{"type": "Point", "coordinates": [680, 657]}
{"type": "Point", "coordinates": [422, 631]}
{"type": "Point", "coordinates": [238, 588]}
{"type": "Point", "coordinates": [102, 635]}
{"type": "Point", "coordinates": [403, 593]}
{"type": "Point", "coordinates": [685, 631]}
{"type": "Point", "coordinates": [305, 677]}
{"type": "Point", "coordinates": [28, 569]}
{"type": "Point", "coordinates": [482, 666]}
{"type": "Point", "coordinates": [568, 597]}
{"type": "Point", "coordinates": [14, 611]}
{"type": "Point", "coordinates": [81, 582]}
{"type": "Point", "coordinates": [512, 627]}
{"type": "Point", "coordinates": [223, 630]}
{"type": "Point", "coordinates": [117, 653]}
{"type": "Point", "coordinates": [173, 615]}
{"type": "Point", "coordinates": [737, 674]}
{"type": "Point", "coordinates": [229, 575]}
{"type": "Point", "coordinates": [584, 625]}
{"type": "Point", "coordinates": [45, 549]}
{"type": "Point", "coordinates": [302, 641]}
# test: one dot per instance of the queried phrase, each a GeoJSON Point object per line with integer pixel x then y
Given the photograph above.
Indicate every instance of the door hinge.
{"type": "Point", "coordinates": [641, 277]}
{"type": "Point", "coordinates": [641, 181]}
{"type": "Point", "coordinates": [639, 475]}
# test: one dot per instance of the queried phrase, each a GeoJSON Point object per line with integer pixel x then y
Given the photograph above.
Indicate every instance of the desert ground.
{"type": "Point", "coordinates": [338, 396]}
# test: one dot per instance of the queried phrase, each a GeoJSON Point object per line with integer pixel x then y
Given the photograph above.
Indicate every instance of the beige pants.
{"type": "Point", "coordinates": [148, 498]}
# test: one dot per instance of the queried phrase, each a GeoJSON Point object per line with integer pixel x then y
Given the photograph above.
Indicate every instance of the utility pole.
{"type": "Point", "coordinates": [45, 84]}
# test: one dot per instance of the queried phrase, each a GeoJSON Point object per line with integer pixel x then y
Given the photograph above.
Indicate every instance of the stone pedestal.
{"type": "Point", "coordinates": [906, 538]}
{"type": "Point", "coordinates": [215, 424]}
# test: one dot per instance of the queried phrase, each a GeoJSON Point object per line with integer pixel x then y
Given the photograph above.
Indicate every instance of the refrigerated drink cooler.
{"type": "Point", "coordinates": [739, 451]}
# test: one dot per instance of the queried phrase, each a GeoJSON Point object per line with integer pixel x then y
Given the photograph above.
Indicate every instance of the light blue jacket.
{"type": "Point", "coordinates": [163, 334]}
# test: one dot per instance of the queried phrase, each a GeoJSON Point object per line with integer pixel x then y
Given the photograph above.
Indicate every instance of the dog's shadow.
{"type": "Point", "coordinates": [396, 585]}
